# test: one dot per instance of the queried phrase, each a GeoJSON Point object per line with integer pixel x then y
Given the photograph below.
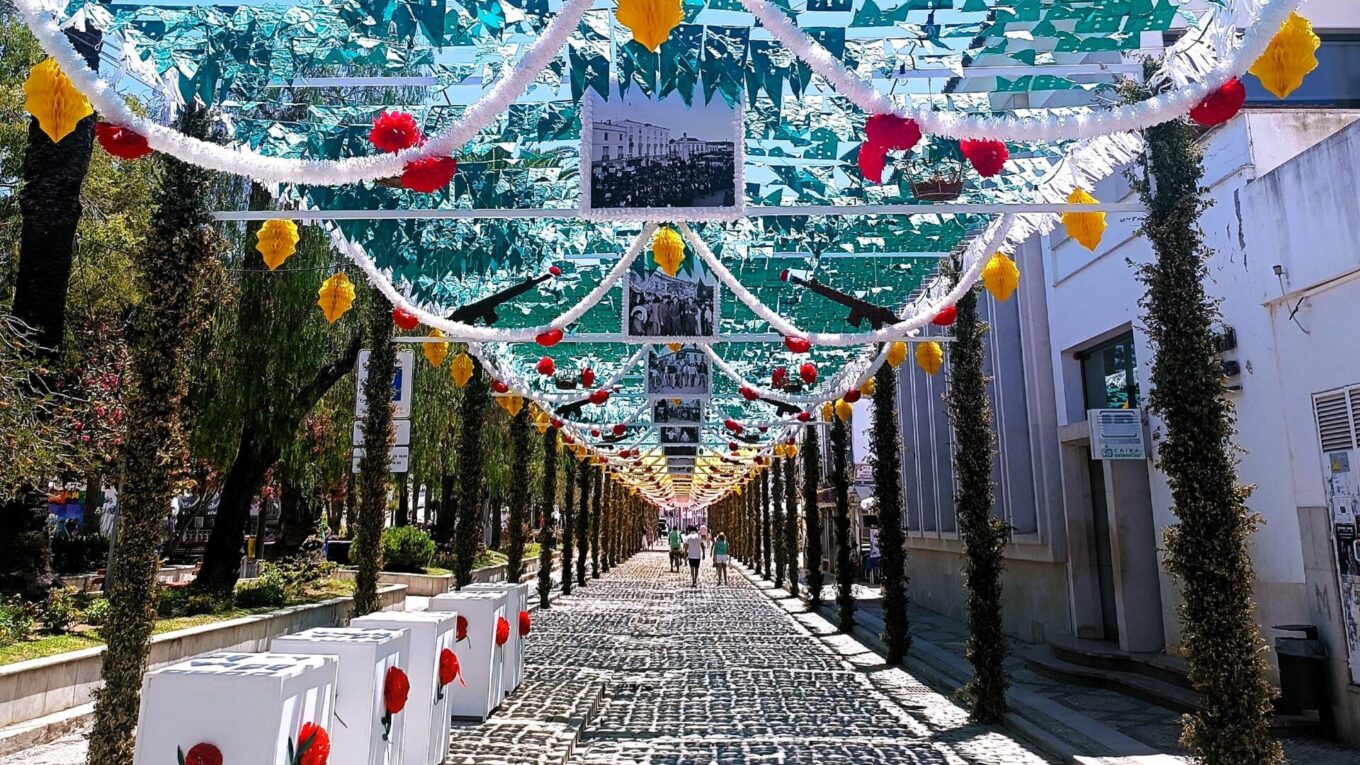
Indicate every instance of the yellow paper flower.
{"type": "Point", "coordinates": [53, 101]}
{"type": "Point", "coordinates": [435, 353]}
{"type": "Point", "coordinates": [461, 369]}
{"type": "Point", "coordinates": [844, 409]}
{"type": "Point", "coordinates": [868, 388]}
{"type": "Point", "coordinates": [897, 353]}
{"type": "Point", "coordinates": [335, 297]}
{"type": "Point", "coordinates": [1085, 227]}
{"type": "Point", "coordinates": [541, 420]}
{"type": "Point", "coordinates": [675, 347]}
{"type": "Point", "coordinates": [668, 250]}
{"type": "Point", "coordinates": [276, 240]}
{"type": "Point", "coordinates": [929, 356]}
{"type": "Point", "coordinates": [1000, 277]}
{"type": "Point", "coordinates": [1291, 55]}
{"type": "Point", "coordinates": [511, 404]}
{"type": "Point", "coordinates": [650, 21]}
{"type": "Point", "coordinates": [828, 411]}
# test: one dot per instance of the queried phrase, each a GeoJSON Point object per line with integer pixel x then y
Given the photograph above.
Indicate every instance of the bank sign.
{"type": "Point", "coordinates": [1116, 434]}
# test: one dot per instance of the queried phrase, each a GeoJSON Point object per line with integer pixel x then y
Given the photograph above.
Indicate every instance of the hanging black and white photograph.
{"type": "Point", "coordinates": [679, 435]}
{"type": "Point", "coordinates": [683, 372]}
{"type": "Point", "coordinates": [660, 159]}
{"type": "Point", "coordinates": [672, 308]}
{"type": "Point", "coordinates": [680, 451]}
{"type": "Point", "coordinates": [682, 412]}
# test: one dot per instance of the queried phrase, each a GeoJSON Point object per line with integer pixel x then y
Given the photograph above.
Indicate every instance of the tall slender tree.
{"type": "Point", "coordinates": [583, 522]}
{"type": "Point", "coordinates": [546, 510]}
{"type": "Point", "coordinates": [470, 492]}
{"type": "Point", "coordinates": [766, 554]}
{"type": "Point", "coordinates": [180, 261]}
{"type": "Point", "coordinates": [791, 523]}
{"type": "Point", "coordinates": [777, 521]}
{"type": "Point", "coordinates": [374, 476]}
{"type": "Point", "coordinates": [569, 515]}
{"type": "Point", "coordinates": [1208, 550]}
{"type": "Point", "coordinates": [845, 554]}
{"type": "Point", "coordinates": [518, 494]}
{"type": "Point", "coordinates": [984, 536]}
{"type": "Point", "coordinates": [596, 511]}
{"type": "Point", "coordinates": [886, 447]}
{"type": "Point", "coordinates": [812, 515]}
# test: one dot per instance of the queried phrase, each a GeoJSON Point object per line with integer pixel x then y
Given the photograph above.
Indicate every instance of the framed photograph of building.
{"type": "Point", "coordinates": [644, 158]}
{"type": "Point", "coordinates": [671, 309]}
{"type": "Point", "coordinates": [682, 373]}
{"type": "Point", "coordinates": [678, 411]}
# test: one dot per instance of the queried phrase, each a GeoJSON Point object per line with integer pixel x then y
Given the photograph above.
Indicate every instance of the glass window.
{"type": "Point", "coordinates": [1109, 374]}
{"type": "Point", "coordinates": [1335, 82]}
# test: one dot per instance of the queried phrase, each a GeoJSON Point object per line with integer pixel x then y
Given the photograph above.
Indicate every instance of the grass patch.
{"type": "Point", "coordinates": [48, 645]}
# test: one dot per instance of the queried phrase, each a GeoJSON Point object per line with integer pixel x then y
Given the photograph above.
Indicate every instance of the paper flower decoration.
{"type": "Point", "coordinates": [675, 347]}
{"type": "Point", "coordinates": [897, 353]}
{"type": "Point", "coordinates": [1085, 227]}
{"type": "Point", "coordinates": [892, 132]}
{"type": "Point", "coordinates": [460, 629]}
{"type": "Point", "coordinates": [499, 386]}
{"type": "Point", "coordinates": [404, 319]}
{"type": "Point", "coordinates": [313, 746]}
{"type": "Point", "coordinates": [828, 411]}
{"type": "Point", "coordinates": [511, 404]}
{"type": "Point", "coordinates": [797, 344]}
{"type": "Point", "coordinates": [394, 131]}
{"type": "Point", "coordinates": [1221, 105]}
{"type": "Point", "coordinates": [550, 338]}
{"type": "Point", "coordinates": [852, 396]}
{"type": "Point", "coordinates": [808, 373]}
{"type": "Point", "coordinates": [276, 241]}
{"type": "Point", "coordinates": [668, 250]}
{"type": "Point", "coordinates": [502, 630]}
{"type": "Point", "coordinates": [121, 142]}
{"type": "Point", "coordinates": [587, 377]}
{"type": "Point", "coordinates": [546, 366]}
{"type": "Point", "coordinates": [335, 296]}
{"type": "Point", "coordinates": [844, 409]}
{"type": "Point", "coordinates": [988, 158]}
{"type": "Point", "coordinates": [779, 376]}
{"type": "Point", "coordinates": [201, 754]}
{"type": "Point", "coordinates": [872, 160]}
{"type": "Point", "coordinates": [541, 420]}
{"type": "Point", "coordinates": [429, 174]}
{"type": "Point", "coordinates": [525, 623]}
{"type": "Point", "coordinates": [449, 670]}
{"type": "Point", "coordinates": [749, 393]}
{"type": "Point", "coordinates": [53, 101]}
{"type": "Point", "coordinates": [599, 397]}
{"type": "Point", "coordinates": [396, 689]}
{"type": "Point", "coordinates": [946, 316]}
{"type": "Point", "coordinates": [1291, 55]}
{"type": "Point", "coordinates": [650, 21]}
{"type": "Point", "coordinates": [869, 387]}
{"type": "Point", "coordinates": [461, 369]}
{"type": "Point", "coordinates": [435, 353]}
{"type": "Point", "coordinates": [929, 356]}
{"type": "Point", "coordinates": [1000, 277]}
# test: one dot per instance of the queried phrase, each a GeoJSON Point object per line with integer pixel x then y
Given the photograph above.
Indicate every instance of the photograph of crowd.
{"type": "Point", "coordinates": [684, 411]}
{"type": "Point", "coordinates": [683, 372]}
{"type": "Point", "coordinates": [660, 306]}
{"type": "Point", "coordinates": [675, 435]}
{"type": "Point", "coordinates": [649, 154]}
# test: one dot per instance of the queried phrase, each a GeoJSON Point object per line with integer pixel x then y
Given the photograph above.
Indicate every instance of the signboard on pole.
{"type": "Point", "coordinates": [401, 433]}
{"type": "Point", "coordinates": [1116, 434]}
{"type": "Point", "coordinates": [403, 375]}
{"type": "Point", "coordinates": [398, 459]}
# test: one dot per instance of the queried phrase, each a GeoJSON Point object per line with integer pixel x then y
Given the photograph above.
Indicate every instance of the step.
{"type": "Point", "coordinates": [1150, 689]}
{"type": "Point", "coordinates": [1108, 656]}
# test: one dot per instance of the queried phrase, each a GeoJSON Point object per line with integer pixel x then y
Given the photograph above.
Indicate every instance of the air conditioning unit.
{"type": "Point", "coordinates": [1338, 422]}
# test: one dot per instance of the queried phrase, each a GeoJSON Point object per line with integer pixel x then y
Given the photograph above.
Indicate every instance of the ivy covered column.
{"type": "Point", "coordinates": [518, 494]}
{"type": "Point", "coordinates": [569, 515]}
{"type": "Point", "coordinates": [470, 491]}
{"type": "Point", "coordinates": [812, 515]}
{"type": "Point", "coordinates": [766, 555]}
{"type": "Point", "coordinates": [845, 555]}
{"type": "Point", "coordinates": [791, 524]}
{"type": "Point", "coordinates": [596, 511]}
{"type": "Point", "coordinates": [374, 477]}
{"type": "Point", "coordinates": [777, 520]}
{"type": "Point", "coordinates": [886, 457]}
{"type": "Point", "coordinates": [583, 522]}
{"type": "Point", "coordinates": [545, 517]}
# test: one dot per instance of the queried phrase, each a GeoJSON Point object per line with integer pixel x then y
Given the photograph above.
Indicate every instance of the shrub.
{"type": "Point", "coordinates": [62, 609]}
{"type": "Point", "coordinates": [80, 554]}
{"type": "Point", "coordinates": [262, 592]}
{"type": "Point", "coordinates": [406, 549]}
{"type": "Point", "coordinates": [16, 620]}
{"type": "Point", "coordinates": [96, 612]}
{"type": "Point", "coordinates": [172, 602]}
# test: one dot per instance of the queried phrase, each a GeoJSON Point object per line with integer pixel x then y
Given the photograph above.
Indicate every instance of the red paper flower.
{"type": "Point", "coordinates": [314, 745]}
{"type": "Point", "coordinates": [732, 445]}
{"type": "Point", "coordinates": [797, 344]}
{"type": "Point", "coordinates": [525, 625]}
{"type": "Point", "coordinates": [599, 397]}
{"type": "Point", "coordinates": [121, 142]}
{"type": "Point", "coordinates": [396, 687]}
{"type": "Point", "coordinates": [873, 158]}
{"type": "Point", "coordinates": [808, 372]}
{"type": "Point", "coordinates": [620, 429]}
{"type": "Point", "coordinates": [594, 432]}
{"type": "Point", "coordinates": [546, 366]}
{"type": "Point", "coordinates": [554, 271]}
{"type": "Point", "coordinates": [404, 319]}
{"type": "Point", "coordinates": [499, 386]}
{"type": "Point", "coordinates": [986, 157]}
{"type": "Point", "coordinates": [429, 174]}
{"type": "Point", "coordinates": [460, 629]}
{"type": "Point", "coordinates": [201, 754]}
{"type": "Point", "coordinates": [587, 377]}
{"type": "Point", "coordinates": [394, 131]}
{"type": "Point", "coordinates": [892, 132]}
{"type": "Point", "coordinates": [448, 666]}
{"type": "Point", "coordinates": [732, 425]}
{"type": "Point", "coordinates": [851, 396]}
{"type": "Point", "coordinates": [502, 630]}
{"type": "Point", "coordinates": [550, 338]}
{"type": "Point", "coordinates": [556, 422]}
{"type": "Point", "coordinates": [1221, 105]}
{"type": "Point", "coordinates": [779, 376]}
{"type": "Point", "coordinates": [947, 315]}
{"type": "Point", "coordinates": [749, 393]}
{"type": "Point", "coordinates": [804, 416]}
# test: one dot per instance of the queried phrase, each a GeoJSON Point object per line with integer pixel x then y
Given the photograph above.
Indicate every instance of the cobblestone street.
{"type": "Point", "coordinates": [648, 670]}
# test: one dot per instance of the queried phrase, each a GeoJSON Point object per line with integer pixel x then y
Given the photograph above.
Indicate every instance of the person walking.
{"type": "Point", "coordinates": [695, 549]}
{"type": "Point", "coordinates": [720, 557]}
{"type": "Point", "coordinates": [675, 540]}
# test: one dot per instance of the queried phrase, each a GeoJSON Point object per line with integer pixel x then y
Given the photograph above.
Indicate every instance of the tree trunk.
{"type": "Point", "coordinates": [545, 516]}
{"type": "Point", "coordinates": [886, 445]}
{"type": "Point", "coordinates": [297, 519]}
{"type": "Point", "coordinates": [374, 476]}
{"type": "Point", "coordinates": [791, 524]}
{"type": "Point", "coordinates": [847, 551]}
{"type": "Point", "coordinates": [568, 521]}
{"type": "Point", "coordinates": [94, 495]}
{"type": "Point", "coordinates": [403, 515]}
{"type": "Point", "coordinates": [777, 521]}
{"type": "Point", "coordinates": [812, 516]}
{"type": "Point", "coordinates": [583, 523]}
{"type": "Point", "coordinates": [597, 509]}
{"type": "Point", "coordinates": [766, 554]}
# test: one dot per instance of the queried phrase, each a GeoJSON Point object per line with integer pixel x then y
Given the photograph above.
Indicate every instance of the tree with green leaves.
{"type": "Point", "coordinates": [545, 516]}
{"type": "Point", "coordinates": [583, 522]}
{"type": "Point", "coordinates": [470, 494]}
{"type": "Point", "coordinates": [886, 460]}
{"type": "Point", "coordinates": [519, 494]}
{"type": "Point", "coordinates": [984, 536]}
{"type": "Point", "coordinates": [812, 515]}
{"type": "Point", "coordinates": [845, 553]}
{"type": "Point", "coordinates": [569, 515]}
{"type": "Point", "coordinates": [766, 554]}
{"type": "Point", "coordinates": [374, 476]}
{"type": "Point", "coordinates": [791, 524]}
{"type": "Point", "coordinates": [1209, 550]}
{"type": "Point", "coordinates": [777, 521]}
{"type": "Point", "coordinates": [596, 511]}
{"type": "Point", "coordinates": [178, 270]}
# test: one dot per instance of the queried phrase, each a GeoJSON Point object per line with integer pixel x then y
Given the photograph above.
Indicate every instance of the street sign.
{"type": "Point", "coordinates": [401, 430]}
{"type": "Point", "coordinates": [403, 375]}
{"type": "Point", "coordinates": [399, 459]}
{"type": "Point", "coordinates": [1116, 434]}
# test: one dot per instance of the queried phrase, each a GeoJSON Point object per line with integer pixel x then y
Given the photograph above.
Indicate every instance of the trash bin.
{"type": "Point", "coordinates": [1303, 670]}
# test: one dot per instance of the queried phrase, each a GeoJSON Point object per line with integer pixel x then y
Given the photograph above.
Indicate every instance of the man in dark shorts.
{"type": "Point", "coordinates": [694, 550]}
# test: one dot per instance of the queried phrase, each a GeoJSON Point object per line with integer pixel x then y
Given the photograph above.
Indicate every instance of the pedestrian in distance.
{"type": "Point", "coordinates": [695, 549]}
{"type": "Point", "coordinates": [720, 557]}
{"type": "Point", "coordinates": [675, 540]}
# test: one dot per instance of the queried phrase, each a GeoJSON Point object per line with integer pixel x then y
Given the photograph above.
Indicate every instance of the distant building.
{"type": "Point", "coordinates": [628, 139]}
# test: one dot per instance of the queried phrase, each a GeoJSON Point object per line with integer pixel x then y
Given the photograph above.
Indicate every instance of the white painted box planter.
{"type": "Point", "coordinates": [517, 600]}
{"type": "Point", "coordinates": [248, 706]}
{"type": "Point", "coordinates": [481, 659]}
{"type": "Point", "coordinates": [427, 713]}
{"type": "Point", "coordinates": [365, 656]}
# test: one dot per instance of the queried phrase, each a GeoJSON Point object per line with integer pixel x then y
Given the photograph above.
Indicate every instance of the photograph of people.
{"type": "Point", "coordinates": [683, 411]}
{"type": "Point", "coordinates": [673, 307]}
{"type": "Point", "coordinates": [673, 373]}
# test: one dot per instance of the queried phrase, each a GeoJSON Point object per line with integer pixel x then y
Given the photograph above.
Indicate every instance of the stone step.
{"type": "Point", "coordinates": [1143, 687]}
{"type": "Point", "coordinates": [1103, 655]}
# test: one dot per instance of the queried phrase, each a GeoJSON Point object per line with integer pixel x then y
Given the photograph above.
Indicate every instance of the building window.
{"type": "Point", "coordinates": [1109, 374]}
{"type": "Point", "coordinates": [1335, 82]}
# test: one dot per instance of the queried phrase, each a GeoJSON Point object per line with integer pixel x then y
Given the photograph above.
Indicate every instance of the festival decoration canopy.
{"type": "Point", "coordinates": [440, 145]}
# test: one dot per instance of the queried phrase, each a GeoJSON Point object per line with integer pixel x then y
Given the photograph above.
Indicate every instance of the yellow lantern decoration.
{"type": "Point", "coordinates": [675, 347]}
{"type": "Point", "coordinates": [828, 411]}
{"type": "Point", "coordinates": [929, 356]}
{"type": "Point", "coordinates": [461, 368]}
{"type": "Point", "coordinates": [53, 101]}
{"type": "Point", "coordinates": [1290, 56]}
{"type": "Point", "coordinates": [897, 353]}
{"type": "Point", "coordinates": [869, 387]}
{"type": "Point", "coordinates": [1000, 277]}
{"type": "Point", "coordinates": [541, 420]}
{"type": "Point", "coordinates": [335, 297]}
{"type": "Point", "coordinates": [276, 240]}
{"type": "Point", "coordinates": [844, 409]}
{"type": "Point", "coordinates": [650, 21]}
{"type": "Point", "coordinates": [435, 353]}
{"type": "Point", "coordinates": [1085, 227]}
{"type": "Point", "coordinates": [511, 404]}
{"type": "Point", "coordinates": [668, 250]}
